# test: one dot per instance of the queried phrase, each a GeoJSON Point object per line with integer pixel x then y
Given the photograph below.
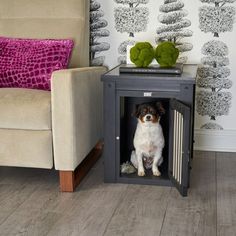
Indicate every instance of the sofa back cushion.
{"type": "Point", "coordinates": [29, 63]}
{"type": "Point", "coordinates": [49, 19]}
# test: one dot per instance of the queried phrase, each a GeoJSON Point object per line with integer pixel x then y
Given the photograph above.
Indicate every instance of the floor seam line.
{"type": "Point", "coordinates": [165, 211]}
{"type": "Point", "coordinates": [118, 203]}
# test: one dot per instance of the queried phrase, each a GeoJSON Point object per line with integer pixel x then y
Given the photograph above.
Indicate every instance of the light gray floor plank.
{"type": "Point", "coordinates": [195, 214]}
{"type": "Point", "coordinates": [32, 216]}
{"type": "Point", "coordinates": [91, 217]}
{"type": "Point", "coordinates": [47, 203]}
{"type": "Point", "coordinates": [18, 184]}
{"type": "Point", "coordinates": [141, 211]}
{"type": "Point", "coordinates": [24, 204]}
{"type": "Point", "coordinates": [226, 194]}
{"type": "Point", "coordinates": [93, 207]}
{"type": "Point", "coordinates": [11, 197]}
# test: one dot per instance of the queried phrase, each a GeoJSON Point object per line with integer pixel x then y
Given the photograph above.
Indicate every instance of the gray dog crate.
{"type": "Point", "coordinates": [122, 92]}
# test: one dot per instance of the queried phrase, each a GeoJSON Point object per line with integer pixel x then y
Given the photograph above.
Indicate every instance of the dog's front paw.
{"type": "Point", "coordinates": [141, 172]}
{"type": "Point", "coordinates": [156, 172]}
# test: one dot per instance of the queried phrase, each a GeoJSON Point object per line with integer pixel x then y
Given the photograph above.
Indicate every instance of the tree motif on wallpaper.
{"type": "Point", "coordinates": [217, 17]}
{"type": "Point", "coordinates": [174, 26]}
{"type": "Point", "coordinates": [97, 31]}
{"type": "Point", "coordinates": [122, 50]}
{"type": "Point", "coordinates": [131, 18]}
{"type": "Point", "coordinates": [213, 80]}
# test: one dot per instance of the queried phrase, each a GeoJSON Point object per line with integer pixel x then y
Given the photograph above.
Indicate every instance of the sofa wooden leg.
{"type": "Point", "coordinates": [69, 180]}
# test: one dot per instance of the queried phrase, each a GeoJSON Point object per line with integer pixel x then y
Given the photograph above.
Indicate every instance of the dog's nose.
{"type": "Point", "coordinates": [148, 117]}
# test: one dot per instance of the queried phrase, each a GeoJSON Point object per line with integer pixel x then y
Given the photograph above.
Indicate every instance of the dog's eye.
{"type": "Point", "coordinates": [153, 112]}
{"type": "Point", "coordinates": [143, 113]}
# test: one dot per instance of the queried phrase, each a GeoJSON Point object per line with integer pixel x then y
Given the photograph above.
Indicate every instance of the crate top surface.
{"type": "Point", "coordinates": [188, 75]}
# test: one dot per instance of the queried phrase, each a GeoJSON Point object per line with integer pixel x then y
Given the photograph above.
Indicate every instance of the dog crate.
{"type": "Point", "coordinates": [122, 92]}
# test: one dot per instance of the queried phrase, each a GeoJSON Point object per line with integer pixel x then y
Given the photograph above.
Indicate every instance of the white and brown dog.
{"type": "Point", "coordinates": [148, 139]}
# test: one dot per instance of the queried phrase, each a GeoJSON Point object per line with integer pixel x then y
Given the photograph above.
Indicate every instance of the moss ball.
{"type": "Point", "coordinates": [166, 54]}
{"type": "Point", "coordinates": [142, 54]}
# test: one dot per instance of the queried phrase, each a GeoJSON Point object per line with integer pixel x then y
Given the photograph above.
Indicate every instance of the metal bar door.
{"type": "Point", "coordinates": [179, 151]}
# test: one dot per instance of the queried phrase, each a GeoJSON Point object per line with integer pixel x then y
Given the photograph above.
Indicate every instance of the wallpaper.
{"type": "Point", "coordinates": [215, 17]}
{"type": "Point", "coordinates": [174, 26]}
{"type": "Point", "coordinates": [203, 30]}
{"type": "Point", "coordinates": [97, 32]}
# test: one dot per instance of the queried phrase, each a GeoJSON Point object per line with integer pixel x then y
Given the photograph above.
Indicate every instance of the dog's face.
{"type": "Point", "coordinates": [150, 112]}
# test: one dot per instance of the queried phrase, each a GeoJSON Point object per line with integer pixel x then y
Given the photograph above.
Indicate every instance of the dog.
{"type": "Point", "coordinates": [148, 139]}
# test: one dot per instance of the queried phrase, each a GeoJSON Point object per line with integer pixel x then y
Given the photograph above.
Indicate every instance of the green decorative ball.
{"type": "Point", "coordinates": [142, 54]}
{"type": "Point", "coordinates": [166, 54]}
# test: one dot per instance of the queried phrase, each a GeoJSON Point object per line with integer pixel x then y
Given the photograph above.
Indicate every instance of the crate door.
{"type": "Point", "coordinates": [179, 145]}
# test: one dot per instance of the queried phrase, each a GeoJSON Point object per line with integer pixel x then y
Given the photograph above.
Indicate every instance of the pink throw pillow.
{"type": "Point", "coordinates": [29, 63]}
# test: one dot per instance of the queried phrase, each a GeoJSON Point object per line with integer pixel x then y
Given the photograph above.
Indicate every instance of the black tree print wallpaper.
{"type": "Point", "coordinates": [216, 17]}
{"type": "Point", "coordinates": [173, 26]}
{"type": "Point", "coordinates": [97, 31]}
{"type": "Point", "coordinates": [122, 50]}
{"type": "Point", "coordinates": [131, 17]}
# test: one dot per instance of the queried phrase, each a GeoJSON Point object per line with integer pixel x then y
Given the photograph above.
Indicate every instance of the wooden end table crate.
{"type": "Point", "coordinates": [121, 93]}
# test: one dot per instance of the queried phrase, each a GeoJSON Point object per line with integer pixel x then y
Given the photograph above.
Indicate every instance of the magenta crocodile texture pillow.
{"type": "Point", "coordinates": [29, 63]}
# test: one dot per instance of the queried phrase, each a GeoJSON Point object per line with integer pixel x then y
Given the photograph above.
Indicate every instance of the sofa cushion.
{"type": "Point", "coordinates": [27, 109]}
{"type": "Point", "coordinates": [29, 63]}
{"type": "Point", "coordinates": [26, 148]}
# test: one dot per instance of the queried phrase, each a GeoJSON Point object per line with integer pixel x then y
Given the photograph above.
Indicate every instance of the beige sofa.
{"type": "Point", "coordinates": [43, 129]}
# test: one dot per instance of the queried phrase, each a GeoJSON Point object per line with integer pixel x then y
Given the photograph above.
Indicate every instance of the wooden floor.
{"type": "Point", "coordinates": [31, 204]}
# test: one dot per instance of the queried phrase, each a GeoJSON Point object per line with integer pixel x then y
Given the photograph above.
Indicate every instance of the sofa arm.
{"type": "Point", "coordinates": [76, 114]}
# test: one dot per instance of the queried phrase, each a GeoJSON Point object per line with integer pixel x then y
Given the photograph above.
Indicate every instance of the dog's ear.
{"type": "Point", "coordinates": [136, 112]}
{"type": "Point", "coordinates": [160, 108]}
